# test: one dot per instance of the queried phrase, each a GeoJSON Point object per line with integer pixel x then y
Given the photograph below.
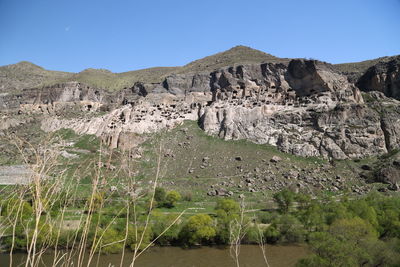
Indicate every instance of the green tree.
{"type": "Point", "coordinates": [303, 200]}
{"type": "Point", "coordinates": [227, 210]}
{"type": "Point", "coordinates": [13, 208]}
{"type": "Point", "coordinates": [313, 217]}
{"type": "Point", "coordinates": [354, 230]}
{"type": "Point", "coordinates": [161, 223]}
{"type": "Point", "coordinates": [198, 229]}
{"type": "Point", "coordinates": [160, 194]}
{"type": "Point", "coordinates": [363, 210]}
{"type": "Point", "coordinates": [111, 241]}
{"type": "Point", "coordinates": [227, 206]}
{"type": "Point", "coordinates": [135, 235]}
{"type": "Point", "coordinates": [335, 211]}
{"type": "Point", "coordinates": [284, 199]}
{"type": "Point", "coordinates": [171, 198]}
{"type": "Point", "coordinates": [348, 242]}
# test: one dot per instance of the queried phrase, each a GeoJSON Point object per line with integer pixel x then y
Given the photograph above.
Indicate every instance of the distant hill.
{"type": "Point", "coordinates": [236, 55]}
{"type": "Point", "coordinates": [28, 75]}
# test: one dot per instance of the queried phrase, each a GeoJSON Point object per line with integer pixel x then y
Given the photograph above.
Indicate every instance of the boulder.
{"type": "Point", "coordinates": [276, 159]}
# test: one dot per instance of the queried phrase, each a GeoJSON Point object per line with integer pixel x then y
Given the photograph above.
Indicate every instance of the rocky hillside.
{"type": "Point", "coordinates": [303, 107]}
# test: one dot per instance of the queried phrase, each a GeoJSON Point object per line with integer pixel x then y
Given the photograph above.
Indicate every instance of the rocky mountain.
{"type": "Point", "coordinates": [303, 107]}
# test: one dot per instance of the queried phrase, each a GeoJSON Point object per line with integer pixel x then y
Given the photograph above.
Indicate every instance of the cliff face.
{"type": "Point", "coordinates": [383, 77]}
{"type": "Point", "coordinates": [304, 107]}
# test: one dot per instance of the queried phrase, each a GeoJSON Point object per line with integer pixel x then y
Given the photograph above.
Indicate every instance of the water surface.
{"type": "Point", "coordinates": [250, 256]}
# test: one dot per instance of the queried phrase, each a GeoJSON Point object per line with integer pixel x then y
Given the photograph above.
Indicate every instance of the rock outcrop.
{"type": "Point", "coordinates": [118, 127]}
{"type": "Point", "coordinates": [383, 77]}
{"type": "Point", "coordinates": [304, 107]}
{"type": "Point", "coordinates": [50, 97]}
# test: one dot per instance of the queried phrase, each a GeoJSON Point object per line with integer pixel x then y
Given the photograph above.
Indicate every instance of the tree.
{"type": "Point", "coordinates": [111, 241]}
{"type": "Point", "coordinates": [313, 217]}
{"type": "Point", "coordinates": [16, 208]}
{"type": "Point", "coordinates": [227, 210]}
{"type": "Point", "coordinates": [289, 228]}
{"type": "Point", "coordinates": [171, 198]}
{"type": "Point", "coordinates": [284, 199]}
{"type": "Point", "coordinates": [159, 194]}
{"type": "Point", "coordinates": [161, 223]}
{"type": "Point", "coordinates": [135, 240]}
{"type": "Point", "coordinates": [198, 229]}
{"type": "Point", "coordinates": [348, 242]}
{"type": "Point", "coordinates": [303, 200]}
{"type": "Point", "coordinates": [227, 206]}
{"type": "Point", "coordinates": [364, 211]}
{"type": "Point", "coordinates": [354, 230]}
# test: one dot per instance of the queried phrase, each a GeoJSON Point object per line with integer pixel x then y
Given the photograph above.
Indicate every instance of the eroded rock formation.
{"type": "Point", "coordinates": [383, 77]}
{"type": "Point", "coordinates": [305, 107]}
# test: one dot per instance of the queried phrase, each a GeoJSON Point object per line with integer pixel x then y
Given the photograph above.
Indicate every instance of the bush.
{"type": "Point", "coordinates": [284, 199]}
{"type": "Point", "coordinates": [135, 234]}
{"type": "Point", "coordinates": [252, 236]}
{"type": "Point", "coordinates": [171, 198]}
{"type": "Point", "coordinates": [272, 235]}
{"type": "Point", "coordinates": [159, 194]}
{"type": "Point", "coordinates": [198, 229]}
{"type": "Point", "coordinates": [285, 229]}
{"type": "Point", "coordinates": [111, 241]}
{"type": "Point", "coordinates": [227, 210]}
{"type": "Point", "coordinates": [162, 222]}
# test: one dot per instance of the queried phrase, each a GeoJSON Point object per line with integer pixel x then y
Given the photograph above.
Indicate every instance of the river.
{"type": "Point", "coordinates": [250, 256]}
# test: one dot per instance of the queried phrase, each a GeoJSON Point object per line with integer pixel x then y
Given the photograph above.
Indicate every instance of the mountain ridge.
{"type": "Point", "coordinates": [26, 74]}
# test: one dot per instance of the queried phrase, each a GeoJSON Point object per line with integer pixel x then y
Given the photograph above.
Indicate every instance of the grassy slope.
{"type": "Point", "coordinates": [26, 75]}
{"type": "Point", "coordinates": [233, 56]}
{"type": "Point", "coordinates": [223, 167]}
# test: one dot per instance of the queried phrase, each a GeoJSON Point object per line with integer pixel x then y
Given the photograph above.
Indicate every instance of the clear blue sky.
{"type": "Point", "coordinates": [126, 35]}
